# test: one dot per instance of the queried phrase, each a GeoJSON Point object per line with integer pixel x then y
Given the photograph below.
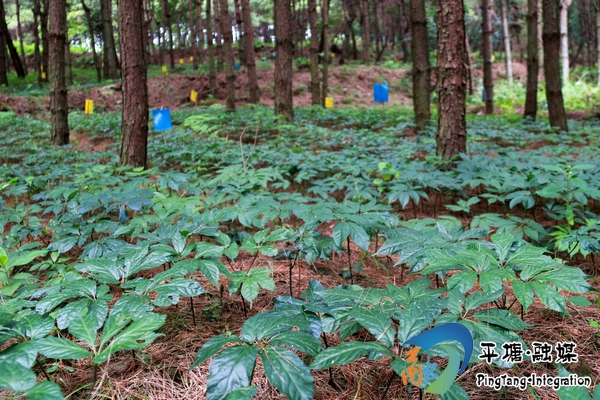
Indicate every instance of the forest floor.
{"type": "Point", "coordinates": [348, 85]}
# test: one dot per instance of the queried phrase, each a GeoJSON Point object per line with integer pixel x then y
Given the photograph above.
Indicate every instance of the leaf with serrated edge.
{"type": "Point", "coordinates": [16, 378]}
{"type": "Point", "coordinates": [60, 349]}
{"type": "Point", "coordinates": [502, 318]}
{"type": "Point", "coordinates": [230, 370]}
{"type": "Point", "coordinates": [213, 346]}
{"type": "Point", "coordinates": [287, 373]}
{"type": "Point", "coordinates": [348, 352]}
{"type": "Point", "coordinates": [301, 341]}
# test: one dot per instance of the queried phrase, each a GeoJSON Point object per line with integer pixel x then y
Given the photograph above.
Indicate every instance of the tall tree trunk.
{"type": "Point", "coordinates": [193, 35]}
{"type": "Point", "coordinates": [45, 53]}
{"type": "Point", "coordinates": [248, 36]}
{"type": "Point", "coordinates": [168, 28]}
{"type": "Point", "coordinates": [540, 38]}
{"type": "Point", "coordinates": [421, 66]}
{"type": "Point", "coordinates": [111, 70]}
{"type": "Point", "coordinates": [451, 138]}
{"type": "Point", "coordinates": [229, 60]}
{"type": "Point", "coordinates": [506, 34]}
{"type": "Point", "coordinates": [14, 54]}
{"type": "Point", "coordinates": [68, 61]}
{"type": "Point", "coordinates": [149, 16]}
{"type": "Point", "coordinates": [212, 76]}
{"type": "Point", "coordinates": [532, 59]}
{"type": "Point", "coordinates": [556, 108]}
{"type": "Point", "coordinates": [326, 53]}
{"type": "Point", "coordinates": [219, 30]}
{"type": "Point", "coordinates": [283, 60]}
{"type": "Point", "coordinates": [180, 38]}
{"type": "Point", "coordinates": [200, 32]}
{"type": "Point", "coordinates": [315, 86]}
{"type": "Point", "coordinates": [486, 51]}
{"type": "Point", "coordinates": [36, 39]}
{"type": "Point", "coordinates": [20, 33]}
{"type": "Point", "coordinates": [598, 39]}
{"type": "Point", "coordinates": [469, 62]}
{"type": "Point", "coordinates": [88, 17]}
{"type": "Point", "coordinates": [564, 38]}
{"type": "Point", "coordinates": [161, 40]}
{"type": "Point", "coordinates": [3, 61]}
{"type": "Point", "coordinates": [134, 125]}
{"type": "Point", "coordinates": [366, 31]}
{"type": "Point", "coordinates": [59, 108]}
{"type": "Point", "coordinates": [239, 20]}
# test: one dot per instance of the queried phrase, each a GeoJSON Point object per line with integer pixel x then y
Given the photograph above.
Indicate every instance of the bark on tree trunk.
{"type": "Point", "coordinates": [250, 57]}
{"type": "Point", "coordinates": [283, 60]}
{"type": "Point", "coordinates": [20, 33]}
{"type": "Point", "coordinates": [212, 76]}
{"type": "Point", "coordinates": [229, 60]}
{"type": "Point", "coordinates": [88, 17]}
{"type": "Point", "coordinates": [44, 76]}
{"type": "Point", "coordinates": [110, 65]}
{"type": "Point", "coordinates": [3, 63]}
{"type": "Point", "coordinates": [598, 39]}
{"type": "Point", "coordinates": [315, 85]}
{"type": "Point", "coordinates": [200, 31]}
{"type": "Point", "coordinates": [59, 108]}
{"type": "Point", "coordinates": [68, 61]}
{"type": "Point", "coordinates": [134, 125]}
{"type": "Point", "coordinates": [451, 138]}
{"type": "Point", "coordinates": [540, 38]}
{"type": "Point", "coordinates": [239, 20]}
{"type": "Point", "coordinates": [36, 39]}
{"type": "Point", "coordinates": [564, 38]}
{"type": "Point", "coordinates": [14, 54]}
{"type": "Point", "coordinates": [486, 51]}
{"type": "Point", "coordinates": [168, 28]}
{"type": "Point", "coordinates": [532, 59]}
{"type": "Point", "coordinates": [219, 31]}
{"type": "Point", "coordinates": [193, 34]}
{"type": "Point", "coordinates": [421, 65]}
{"type": "Point", "coordinates": [326, 54]}
{"type": "Point", "coordinates": [551, 35]}
{"type": "Point", "coordinates": [469, 61]}
{"type": "Point", "coordinates": [505, 30]}
{"type": "Point", "coordinates": [366, 32]}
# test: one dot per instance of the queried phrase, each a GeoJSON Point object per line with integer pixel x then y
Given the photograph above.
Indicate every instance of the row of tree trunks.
{"type": "Point", "coordinates": [212, 75]}
{"type": "Point", "coordinates": [88, 17]}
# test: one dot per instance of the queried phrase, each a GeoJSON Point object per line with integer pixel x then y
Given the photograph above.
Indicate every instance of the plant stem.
{"type": "Point", "coordinates": [349, 260]}
{"type": "Point", "coordinates": [193, 311]}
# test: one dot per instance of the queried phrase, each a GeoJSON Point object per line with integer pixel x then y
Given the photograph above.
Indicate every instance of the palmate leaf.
{"type": "Point", "coordinates": [377, 321]}
{"type": "Point", "coordinates": [45, 390]}
{"type": "Point", "coordinates": [502, 318]}
{"type": "Point", "coordinates": [60, 349]}
{"type": "Point", "coordinates": [550, 296]}
{"type": "Point", "coordinates": [24, 353]}
{"type": "Point", "coordinates": [477, 299]}
{"type": "Point", "coordinates": [136, 336]}
{"type": "Point", "coordinates": [348, 352]}
{"type": "Point", "coordinates": [572, 392]}
{"type": "Point", "coordinates": [287, 373]}
{"type": "Point", "coordinates": [417, 316]}
{"type": "Point", "coordinates": [523, 292]}
{"type": "Point", "coordinates": [213, 346]}
{"type": "Point", "coordinates": [16, 378]}
{"type": "Point", "coordinates": [301, 341]}
{"type": "Point", "coordinates": [567, 278]}
{"type": "Point", "coordinates": [230, 370]}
